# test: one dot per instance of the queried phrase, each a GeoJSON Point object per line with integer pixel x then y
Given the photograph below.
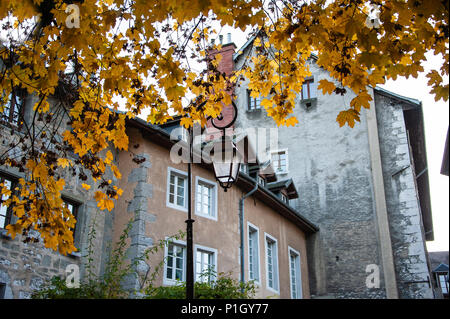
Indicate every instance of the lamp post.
{"type": "Point", "coordinates": [226, 172]}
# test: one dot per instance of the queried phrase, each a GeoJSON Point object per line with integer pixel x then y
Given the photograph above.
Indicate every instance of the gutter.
{"type": "Point", "coordinates": [242, 228]}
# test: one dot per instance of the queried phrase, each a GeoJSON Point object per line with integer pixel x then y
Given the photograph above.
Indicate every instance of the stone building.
{"type": "Point", "coordinates": [365, 187]}
{"type": "Point", "coordinates": [335, 208]}
{"type": "Point", "coordinates": [155, 197]}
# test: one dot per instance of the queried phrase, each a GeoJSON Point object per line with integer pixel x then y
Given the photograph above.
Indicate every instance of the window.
{"type": "Point", "coordinates": [73, 208]}
{"type": "Point", "coordinates": [261, 181]}
{"type": "Point", "coordinates": [443, 282]}
{"type": "Point", "coordinates": [309, 90]}
{"type": "Point", "coordinates": [253, 103]}
{"type": "Point", "coordinates": [177, 189]}
{"type": "Point", "coordinates": [2, 290]}
{"type": "Point", "coordinates": [206, 198]}
{"type": "Point", "coordinates": [205, 264]}
{"type": "Point", "coordinates": [284, 199]}
{"type": "Point", "coordinates": [271, 263]}
{"type": "Point", "coordinates": [175, 263]}
{"type": "Point", "coordinates": [280, 162]}
{"type": "Point", "coordinates": [13, 108]}
{"type": "Point", "coordinates": [5, 212]}
{"type": "Point", "coordinates": [295, 274]}
{"type": "Point", "coordinates": [253, 253]}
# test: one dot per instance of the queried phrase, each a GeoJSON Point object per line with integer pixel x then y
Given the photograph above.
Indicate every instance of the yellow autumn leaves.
{"type": "Point", "coordinates": [131, 59]}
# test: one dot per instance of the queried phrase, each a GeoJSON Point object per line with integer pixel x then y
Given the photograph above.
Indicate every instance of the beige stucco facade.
{"type": "Point", "coordinates": [222, 234]}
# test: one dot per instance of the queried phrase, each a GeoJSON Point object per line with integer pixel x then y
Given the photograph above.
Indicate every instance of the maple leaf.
{"type": "Point", "coordinates": [348, 117]}
{"type": "Point", "coordinates": [361, 100]}
{"type": "Point", "coordinates": [326, 86]}
{"type": "Point", "coordinates": [186, 122]}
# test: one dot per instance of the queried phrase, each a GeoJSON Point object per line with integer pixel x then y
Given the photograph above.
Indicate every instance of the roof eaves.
{"type": "Point", "coordinates": [409, 100]}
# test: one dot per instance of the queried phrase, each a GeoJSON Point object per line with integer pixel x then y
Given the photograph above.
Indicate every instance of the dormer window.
{"type": "Point", "coordinates": [261, 181]}
{"type": "Point", "coordinates": [253, 103]}
{"type": "Point", "coordinates": [284, 199]}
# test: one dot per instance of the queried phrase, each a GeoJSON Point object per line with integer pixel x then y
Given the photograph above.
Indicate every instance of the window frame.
{"type": "Point", "coordinates": [439, 275]}
{"type": "Point", "coordinates": [258, 259]}
{"type": "Point", "coordinates": [285, 150]}
{"type": "Point", "coordinates": [261, 181]}
{"type": "Point", "coordinates": [309, 82]}
{"type": "Point", "coordinates": [76, 208]}
{"type": "Point", "coordinates": [214, 194]}
{"type": "Point", "coordinates": [207, 250]}
{"type": "Point", "coordinates": [8, 119]}
{"type": "Point", "coordinates": [178, 173]}
{"type": "Point", "coordinates": [180, 243]}
{"type": "Point", "coordinates": [274, 266]}
{"type": "Point", "coordinates": [298, 274]}
{"type": "Point", "coordinates": [253, 104]}
{"type": "Point", "coordinates": [9, 213]}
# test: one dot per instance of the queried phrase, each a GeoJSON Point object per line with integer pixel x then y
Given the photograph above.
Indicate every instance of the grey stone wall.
{"type": "Point", "coordinates": [332, 172]}
{"type": "Point", "coordinates": [25, 266]}
{"type": "Point", "coordinates": [138, 208]}
{"type": "Point", "coordinates": [403, 206]}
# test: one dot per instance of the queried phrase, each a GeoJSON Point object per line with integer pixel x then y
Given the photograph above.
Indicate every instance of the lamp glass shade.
{"type": "Point", "coordinates": [226, 162]}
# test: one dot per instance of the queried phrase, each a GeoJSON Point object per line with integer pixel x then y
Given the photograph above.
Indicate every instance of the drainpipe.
{"type": "Point", "coordinates": [241, 223]}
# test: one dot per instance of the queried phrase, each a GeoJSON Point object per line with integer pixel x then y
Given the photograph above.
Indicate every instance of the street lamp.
{"type": "Point", "coordinates": [226, 162]}
{"type": "Point", "coordinates": [226, 171]}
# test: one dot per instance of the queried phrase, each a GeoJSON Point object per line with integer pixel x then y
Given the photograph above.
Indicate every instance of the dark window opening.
{"type": "Point", "coordinates": [73, 208]}
{"type": "Point", "coordinates": [13, 108]}
{"type": "Point", "coordinates": [2, 290]}
{"type": "Point", "coordinates": [5, 211]}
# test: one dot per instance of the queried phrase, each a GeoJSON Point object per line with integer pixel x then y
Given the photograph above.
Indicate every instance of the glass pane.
{"type": "Point", "coordinates": [179, 251]}
{"type": "Point", "coordinates": [169, 273]}
{"type": "Point", "coordinates": [179, 263]}
{"type": "Point", "coordinates": [180, 200]}
{"type": "Point", "coordinates": [313, 89]}
{"type": "Point", "coordinates": [3, 210]}
{"type": "Point", "coordinates": [305, 91]}
{"type": "Point", "coordinates": [179, 274]}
